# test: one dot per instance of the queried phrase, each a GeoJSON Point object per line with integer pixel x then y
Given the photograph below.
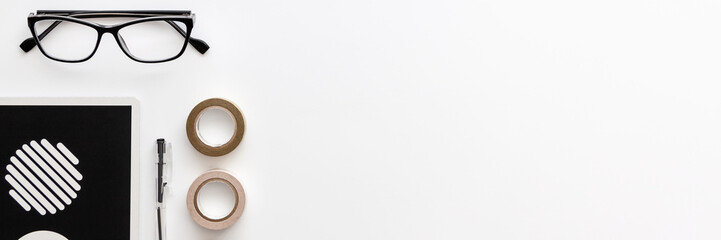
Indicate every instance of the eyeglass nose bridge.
{"type": "Point", "coordinates": [112, 29]}
{"type": "Point", "coordinates": [115, 32]}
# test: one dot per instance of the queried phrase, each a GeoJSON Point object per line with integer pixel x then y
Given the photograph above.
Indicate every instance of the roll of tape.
{"type": "Point", "coordinates": [191, 127]}
{"type": "Point", "coordinates": [197, 214]}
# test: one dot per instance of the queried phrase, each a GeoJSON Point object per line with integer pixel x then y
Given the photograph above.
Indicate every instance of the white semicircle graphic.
{"type": "Point", "coordinates": [43, 235]}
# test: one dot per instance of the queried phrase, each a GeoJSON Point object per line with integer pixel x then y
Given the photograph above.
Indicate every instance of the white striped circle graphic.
{"type": "Point", "coordinates": [43, 177]}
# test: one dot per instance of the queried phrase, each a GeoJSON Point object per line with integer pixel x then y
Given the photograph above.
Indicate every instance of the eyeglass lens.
{"type": "Point", "coordinates": [153, 40]}
{"type": "Point", "coordinates": [67, 40]}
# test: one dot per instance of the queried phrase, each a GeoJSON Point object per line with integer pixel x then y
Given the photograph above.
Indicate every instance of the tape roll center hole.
{"type": "Point", "coordinates": [216, 200]}
{"type": "Point", "coordinates": [215, 126]}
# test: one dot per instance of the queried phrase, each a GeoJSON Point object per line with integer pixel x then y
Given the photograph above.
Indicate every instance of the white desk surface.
{"type": "Point", "coordinates": [428, 119]}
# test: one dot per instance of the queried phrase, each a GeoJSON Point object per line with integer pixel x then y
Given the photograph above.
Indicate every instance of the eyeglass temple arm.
{"type": "Point", "coordinates": [30, 43]}
{"type": "Point", "coordinates": [198, 44]}
{"type": "Point", "coordinates": [114, 13]}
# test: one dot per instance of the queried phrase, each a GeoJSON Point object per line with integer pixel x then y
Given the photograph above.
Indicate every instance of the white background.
{"type": "Point", "coordinates": [400, 119]}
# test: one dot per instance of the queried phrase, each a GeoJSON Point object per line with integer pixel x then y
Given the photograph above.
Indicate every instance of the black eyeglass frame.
{"type": "Point", "coordinates": [171, 17]}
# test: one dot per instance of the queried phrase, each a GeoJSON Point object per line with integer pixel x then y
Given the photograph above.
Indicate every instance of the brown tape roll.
{"type": "Point", "coordinates": [192, 203]}
{"type": "Point", "coordinates": [191, 127]}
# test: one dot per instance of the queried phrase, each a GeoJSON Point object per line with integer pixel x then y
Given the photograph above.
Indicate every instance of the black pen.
{"type": "Point", "coordinates": [161, 183]}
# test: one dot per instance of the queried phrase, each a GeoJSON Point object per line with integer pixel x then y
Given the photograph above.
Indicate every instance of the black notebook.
{"type": "Point", "coordinates": [69, 169]}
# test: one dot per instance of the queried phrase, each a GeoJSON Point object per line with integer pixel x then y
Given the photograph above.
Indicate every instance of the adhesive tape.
{"type": "Point", "coordinates": [197, 214]}
{"type": "Point", "coordinates": [191, 127]}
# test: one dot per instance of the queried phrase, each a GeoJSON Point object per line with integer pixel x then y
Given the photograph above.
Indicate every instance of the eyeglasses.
{"type": "Point", "coordinates": [156, 36]}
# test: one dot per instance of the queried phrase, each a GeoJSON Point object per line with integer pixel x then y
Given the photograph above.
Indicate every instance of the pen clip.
{"type": "Point", "coordinates": [168, 169]}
